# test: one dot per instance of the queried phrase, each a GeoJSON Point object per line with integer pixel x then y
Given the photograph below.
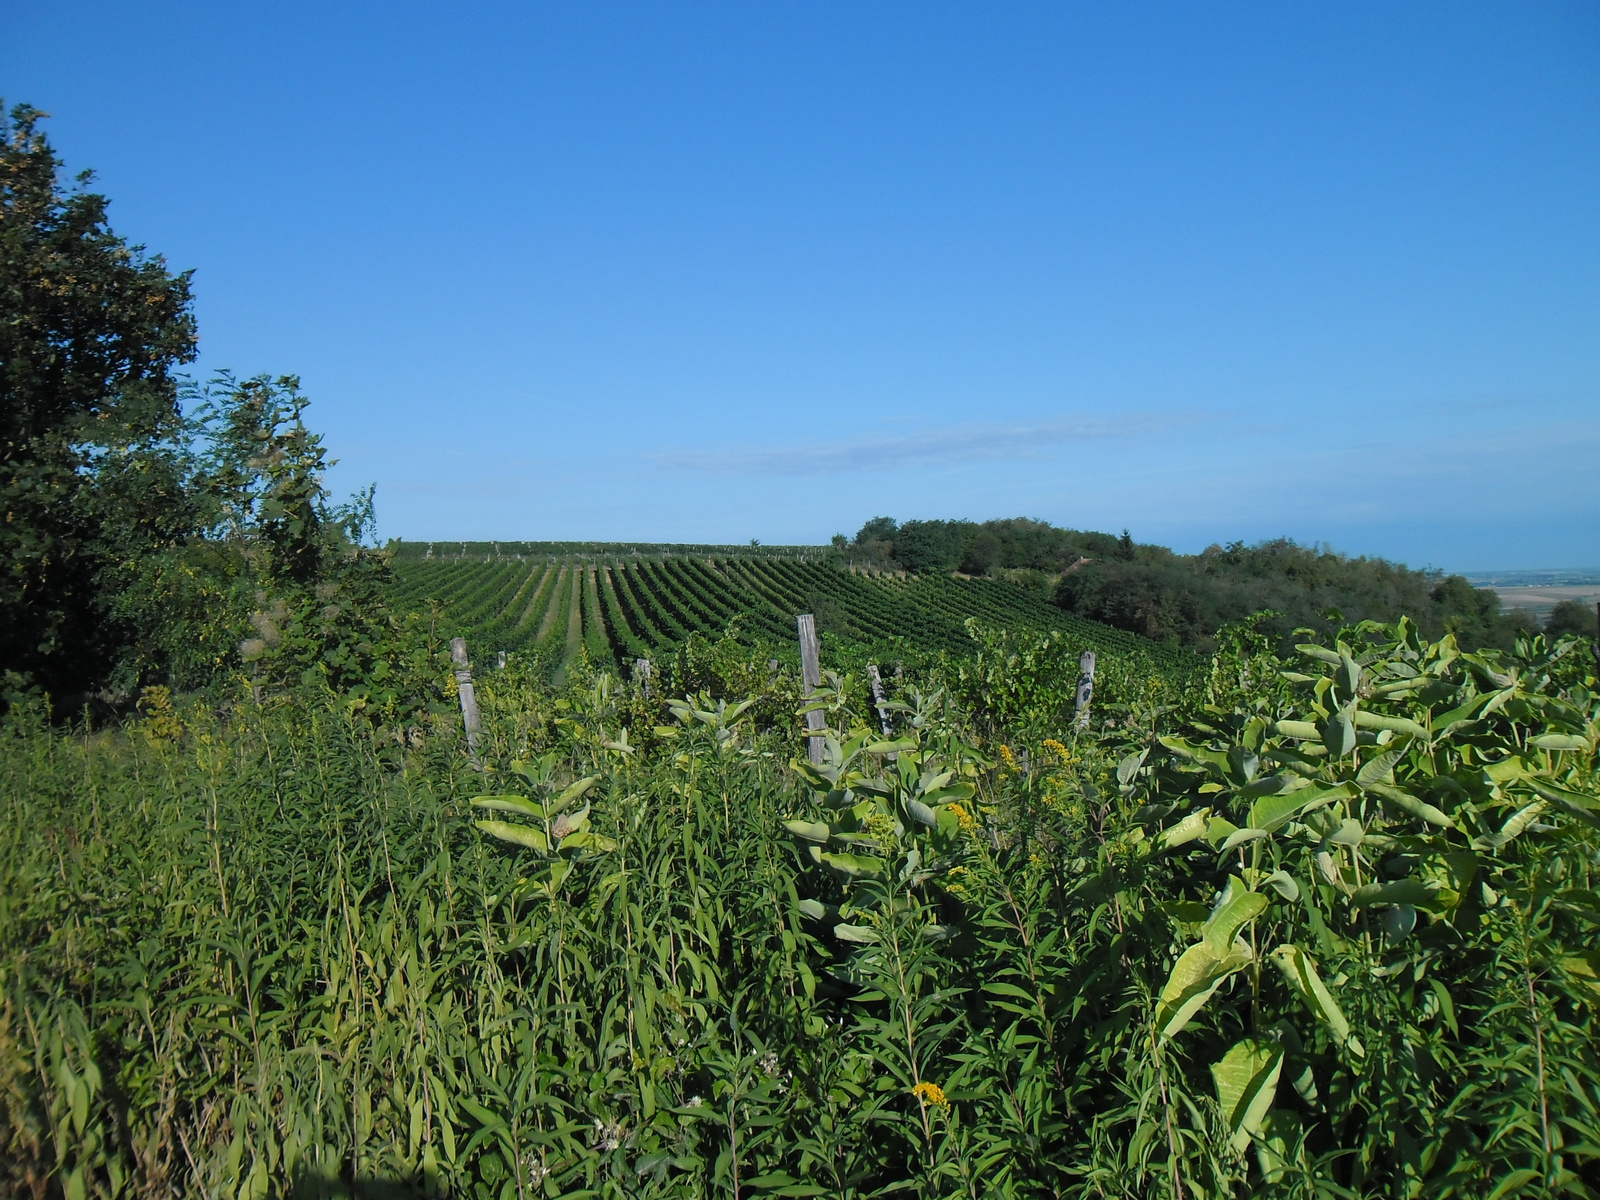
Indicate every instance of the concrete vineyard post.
{"type": "Point", "coordinates": [811, 679]}
{"type": "Point", "coordinates": [469, 702]}
{"type": "Point", "coordinates": [877, 696]}
{"type": "Point", "coordinates": [641, 675]}
{"type": "Point", "coordinates": [1085, 688]}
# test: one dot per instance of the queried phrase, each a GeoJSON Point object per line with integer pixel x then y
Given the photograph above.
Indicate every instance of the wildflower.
{"type": "Point", "coordinates": [931, 1093]}
{"type": "Point", "coordinates": [537, 1172]}
{"type": "Point", "coordinates": [769, 1064]}
{"type": "Point", "coordinates": [695, 1102]}
{"type": "Point", "coordinates": [879, 827]}
{"type": "Point", "coordinates": [607, 1137]}
{"type": "Point", "coordinates": [1060, 751]}
{"type": "Point", "coordinates": [968, 822]}
{"type": "Point", "coordinates": [1008, 758]}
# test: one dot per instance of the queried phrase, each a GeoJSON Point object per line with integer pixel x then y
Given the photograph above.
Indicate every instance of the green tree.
{"type": "Point", "coordinates": [1572, 616]}
{"type": "Point", "coordinates": [878, 529]}
{"type": "Point", "coordinates": [930, 545]}
{"type": "Point", "coordinates": [92, 454]}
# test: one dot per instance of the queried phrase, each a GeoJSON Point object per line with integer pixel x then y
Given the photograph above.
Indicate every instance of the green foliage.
{"type": "Point", "coordinates": [1573, 617]}
{"type": "Point", "coordinates": [1188, 598]}
{"type": "Point", "coordinates": [989, 547]}
{"type": "Point", "coordinates": [90, 455]}
{"type": "Point", "coordinates": [141, 544]}
{"type": "Point", "coordinates": [1317, 927]}
{"type": "Point", "coordinates": [1153, 592]}
{"type": "Point", "coordinates": [632, 609]}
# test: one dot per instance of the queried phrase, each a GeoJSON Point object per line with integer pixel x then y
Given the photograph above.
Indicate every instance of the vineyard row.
{"type": "Point", "coordinates": [620, 611]}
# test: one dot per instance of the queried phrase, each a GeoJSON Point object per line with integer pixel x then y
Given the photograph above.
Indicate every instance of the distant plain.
{"type": "Point", "coordinates": [1537, 592]}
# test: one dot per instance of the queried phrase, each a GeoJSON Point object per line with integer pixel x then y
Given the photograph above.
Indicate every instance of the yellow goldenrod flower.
{"type": "Point", "coordinates": [969, 823]}
{"type": "Point", "coordinates": [1060, 751]}
{"type": "Point", "coordinates": [931, 1093]}
{"type": "Point", "coordinates": [1008, 758]}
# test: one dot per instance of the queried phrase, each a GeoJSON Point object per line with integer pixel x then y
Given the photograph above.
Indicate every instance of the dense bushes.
{"type": "Point", "coordinates": [1152, 591]}
{"type": "Point", "coordinates": [1189, 597]}
{"type": "Point", "coordinates": [1573, 617]}
{"type": "Point", "coordinates": [977, 549]}
{"type": "Point", "coordinates": [1302, 929]}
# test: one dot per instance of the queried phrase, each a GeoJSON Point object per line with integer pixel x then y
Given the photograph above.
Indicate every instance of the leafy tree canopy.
{"type": "Point", "coordinates": [89, 469]}
{"type": "Point", "coordinates": [142, 544]}
{"type": "Point", "coordinates": [1151, 590]}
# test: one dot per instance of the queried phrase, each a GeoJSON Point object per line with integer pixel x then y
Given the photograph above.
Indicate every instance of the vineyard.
{"type": "Point", "coordinates": [621, 606]}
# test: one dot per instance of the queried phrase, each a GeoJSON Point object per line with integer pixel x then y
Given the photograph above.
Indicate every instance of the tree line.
{"type": "Point", "coordinates": [1186, 598]}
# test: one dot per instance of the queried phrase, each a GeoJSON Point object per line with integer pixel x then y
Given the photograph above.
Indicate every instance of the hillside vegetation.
{"type": "Point", "coordinates": [1305, 920]}
{"type": "Point", "coordinates": [1152, 591]}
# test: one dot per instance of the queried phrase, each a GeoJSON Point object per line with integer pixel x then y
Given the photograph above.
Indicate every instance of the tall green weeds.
{"type": "Point", "coordinates": [1294, 929]}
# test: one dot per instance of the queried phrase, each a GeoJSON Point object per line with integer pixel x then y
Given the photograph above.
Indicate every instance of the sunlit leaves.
{"type": "Point", "coordinates": [1246, 1080]}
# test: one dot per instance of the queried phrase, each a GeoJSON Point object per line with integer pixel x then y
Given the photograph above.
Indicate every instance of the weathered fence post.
{"type": "Point", "coordinates": [811, 679]}
{"type": "Point", "coordinates": [501, 665]}
{"type": "Point", "coordinates": [469, 702]}
{"type": "Point", "coordinates": [641, 675]}
{"type": "Point", "coordinates": [1085, 688]}
{"type": "Point", "coordinates": [877, 696]}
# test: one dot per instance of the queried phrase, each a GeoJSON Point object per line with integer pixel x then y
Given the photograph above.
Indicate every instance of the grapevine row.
{"type": "Point", "coordinates": [637, 606]}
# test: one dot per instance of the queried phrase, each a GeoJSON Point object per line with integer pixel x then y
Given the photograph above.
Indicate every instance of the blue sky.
{"type": "Point", "coordinates": [714, 272]}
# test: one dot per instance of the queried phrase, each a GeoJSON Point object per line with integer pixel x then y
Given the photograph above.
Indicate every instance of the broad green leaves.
{"type": "Point", "coordinates": [1247, 1082]}
{"type": "Point", "coordinates": [1237, 907]}
{"type": "Point", "coordinates": [1194, 979]}
{"type": "Point", "coordinates": [1404, 801]}
{"type": "Point", "coordinates": [1202, 968]}
{"type": "Point", "coordinates": [1273, 812]}
{"type": "Point", "coordinates": [1300, 972]}
{"type": "Point", "coordinates": [559, 829]}
{"type": "Point", "coordinates": [1185, 831]}
{"type": "Point", "coordinates": [517, 835]}
{"type": "Point", "coordinates": [811, 831]}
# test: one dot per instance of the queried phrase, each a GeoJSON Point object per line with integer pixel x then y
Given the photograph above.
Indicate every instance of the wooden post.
{"type": "Point", "coordinates": [1085, 688]}
{"type": "Point", "coordinates": [501, 665]}
{"type": "Point", "coordinates": [811, 679]}
{"type": "Point", "coordinates": [469, 702]}
{"type": "Point", "coordinates": [877, 696]}
{"type": "Point", "coordinates": [641, 675]}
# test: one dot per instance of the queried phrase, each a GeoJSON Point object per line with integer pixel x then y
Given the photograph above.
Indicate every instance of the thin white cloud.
{"type": "Point", "coordinates": [945, 446]}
